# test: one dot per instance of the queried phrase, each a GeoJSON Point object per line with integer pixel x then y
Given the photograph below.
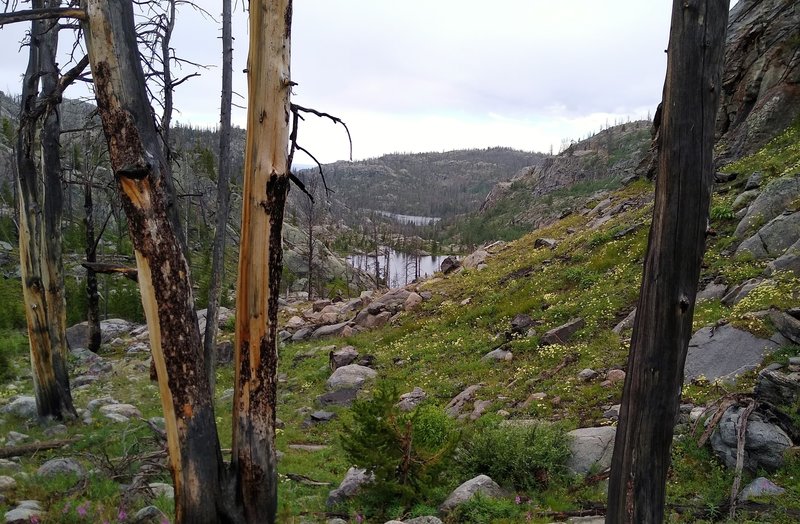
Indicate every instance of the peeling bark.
{"type": "Point", "coordinates": [141, 174]}
{"type": "Point", "coordinates": [266, 183]}
{"type": "Point", "coordinates": [40, 215]}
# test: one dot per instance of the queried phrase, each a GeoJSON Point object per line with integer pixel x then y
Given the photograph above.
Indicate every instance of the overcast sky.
{"type": "Point", "coordinates": [435, 75]}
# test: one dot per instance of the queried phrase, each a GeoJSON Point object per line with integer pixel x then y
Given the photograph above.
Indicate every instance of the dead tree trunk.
{"type": "Point", "coordinates": [223, 194]}
{"type": "Point", "coordinates": [140, 169]}
{"type": "Point", "coordinates": [38, 265]}
{"type": "Point", "coordinates": [672, 267]}
{"type": "Point", "coordinates": [92, 297]}
{"type": "Point", "coordinates": [266, 182]}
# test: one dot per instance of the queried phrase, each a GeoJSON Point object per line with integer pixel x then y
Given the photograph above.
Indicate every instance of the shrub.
{"type": "Point", "coordinates": [722, 212]}
{"type": "Point", "coordinates": [13, 345]}
{"type": "Point", "coordinates": [484, 510]}
{"type": "Point", "coordinates": [405, 451]}
{"type": "Point", "coordinates": [523, 457]}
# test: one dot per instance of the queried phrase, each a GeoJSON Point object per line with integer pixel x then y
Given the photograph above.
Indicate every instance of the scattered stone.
{"type": "Point", "coordinates": [521, 323]}
{"type": "Point", "coordinates": [616, 375]}
{"type": "Point", "coordinates": [787, 325]}
{"type": "Point", "coordinates": [625, 323]}
{"type": "Point", "coordinates": [350, 486]}
{"type": "Point", "coordinates": [449, 265]}
{"type": "Point", "coordinates": [475, 259]}
{"type": "Point", "coordinates": [789, 261]}
{"type": "Point", "coordinates": [564, 332]}
{"type": "Point", "coordinates": [322, 416]}
{"type": "Point", "coordinates": [295, 322]}
{"type": "Point", "coordinates": [696, 413]}
{"type": "Point", "coordinates": [412, 399]}
{"type": "Point", "coordinates": [302, 334]}
{"type": "Point", "coordinates": [368, 320]}
{"type": "Point", "coordinates": [765, 443]}
{"type": "Point", "coordinates": [95, 404]}
{"type": "Point", "coordinates": [773, 239]}
{"type": "Point", "coordinates": [754, 182]}
{"type": "Point", "coordinates": [454, 407]}
{"type": "Point", "coordinates": [78, 335]}
{"type": "Point", "coordinates": [22, 407]}
{"type": "Point", "coordinates": [424, 520]}
{"type": "Point", "coordinates": [319, 305]}
{"type": "Point", "coordinates": [54, 431]}
{"type": "Point", "coordinates": [590, 447]}
{"type": "Point", "coordinates": [126, 410]}
{"type": "Point", "coordinates": [721, 178]}
{"type": "Point", "coordinates": [481, 484]}
{"type": "Point", "coordinates": [498, 355]}
{"type": "Point", "coordinates": [478, 408]}
{"type": "Point", "coordinates": [161, 489]}
{"type": "Point", "coordinates": [340, 397]}
{"type": "Point", "coordinates": [737, 293]}
{"type": "Point", "coordinates": [773, 200]}
{"type": "Point", "coordinates": [61, 466]}
{"type": "Point", "coordinates": [9, 465]}
{"type": "Point", "coordinates": [724, 352]}
{"type": "Point", "coordinates": [149, 515]}
{"type": "Point", "coordinates": [742, 200]}
{"type": "Point", "coordinates": [778, 388]}
{"type": "Point", "coordinates": [7, 483]}
{"type": "Point", "coordinates": [25, 512]}
{"type": "Point", "coordinates": [342, 357]}
{"type": "Point", "coordinates": [613, 412]}
{"type": "Point", "coordinates": [350, 377]}
{"type": "Point", "coordinates": [412, 301]}
{"type": "Point", "coordinates": [312, 448]}
{"type": "Point", "coordinates": [137, 347]}
{"type": "Point", "coordinates": [712, 292]}
{"type": "Point", "coordinates": [13, 438]}
{"type": "Point", "coordinates": [83, 380]}
{"type": "Point", "coordinates": [284, 335]}
{"type": "Point", "coordinates": [331, 330]}
{"type": "Point", "coordinates": [83, 356]}
{"type": "Point", "coordinates": [545, 242]}
{"type": "Point", "coordinates": [534, 397]}
{"type": "Point", "coordinates": [587, 374]}
{"type": "Point", "coordinates": [760, 487]}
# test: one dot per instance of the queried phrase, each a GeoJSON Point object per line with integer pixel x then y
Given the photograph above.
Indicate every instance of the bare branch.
{"type": "Point", "coordinates": [335, 119]}
{"type": "Point", "coordinates": [41, 14]}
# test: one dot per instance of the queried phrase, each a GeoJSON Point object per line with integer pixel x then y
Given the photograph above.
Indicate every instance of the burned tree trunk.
{"type": "Point", "coordinates": [140, 169]}
{"type": "Point", "coordinates": [39, 245]}
{"type": "Point", "coordinates": [92, 296]}
{"type": "Point", "coordinates": [223, 194]}
{"type": "Point", "coordinates": [672, 267]}
{"type": "Point", "coordinates": [266, 182]}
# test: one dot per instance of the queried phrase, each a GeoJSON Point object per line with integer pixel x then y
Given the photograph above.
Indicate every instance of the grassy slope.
{"type": "Point", "coordinates": [590, 274]}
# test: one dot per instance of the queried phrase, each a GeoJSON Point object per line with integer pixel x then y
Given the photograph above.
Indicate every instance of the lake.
{"type": "Point", "coordinates": [404, 268]}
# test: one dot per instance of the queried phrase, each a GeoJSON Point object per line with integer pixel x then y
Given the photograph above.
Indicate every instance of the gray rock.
{"type": "Point", "coordinates": [626, 323]}
{"type": "Point", "coordinates": [83, 380]}
{"type": "Point", "coordinates": [564, 332]}
{"type": "Point", "coordinates": [350, 377]}
{"type": "Point", "coordinates": [137, 347]}
{"type": "Point", "coordinates": [754, 182]}
{"type": "Point", "coordinates": [724, 352]}
{"type": "Point", "coordinates": [737, 293]}
{"type": "Point", "coordinates": [78, 335]}
{"type": "Point", "coordinates": [712, 291]}
{"type": "Point", "coordinates": [449, 265]}
{"type": "Point", "coordinates": [773, 200]}
{"type": "Point", "coordinates": [340, 397]}
{"type": "Point", "coordinates": [7, 483]}
{"type": "Point", "coordinates": [590, 447]}
{"type": "Point", "coordinates": [149, 515]}
{"type": "Point", "coordinates": [721, 178]}
{"type": "Point", "coordinates": [498, 355]}
{"type": "Point", "coordinates": [743, 199]}
{"type": "Point", "coordinates": [99, 402]}
{"type": "Point", "coordinates": [302, 334]}
{"type": "Point", "coordinates": [331, 330]}
{"type": "Point", "coordinates": [545, 242]}
{"type": "Point", "coordinates": [393, 300]}
{"type": "Point", "coordinates": [160, 489]}
{"type": "Point", "coordinates": [521, 323]}
{"type": "Point", "coordinates": [760, 487]}
{"type": "Point", "coordinates": [9, 465]}
{"type": "Point", "coordinates": [413, 300]}
{"type": "Point", "coordinates": [475, 259]}
{"type": "Point", "coordinates": [126, 410]}
{"type": "Point", "coordinates": [764, 446]}
{"type": "Point", "coordinates": [778, 388]}
{"type": "Point", "coordinates": [412, 399]}
{"type": "Point", "coordinates": [424, 520]}
{"type": "Point", "coordinates": [787, 325]}
{"type": "Point", "coordinates": [22, 407]}
{"type": "Point", "coordinates": [789, 261]}
{"type": "Point", "coordinates": [613, 412]}
{"type": "Point", "coordinates": [350, 486]}
{"type": "Point", "coordinates": [61, 466]}
{"type": "Point", "coordinates": [83, 356]}
{"type": "Point", "coordinates": [773, 239]}
{"type": "Point", "coordinates": [20, 514]}
{"type": "Point", "coordinates": [481, 484]}
{"type": "Point", "coordinates": [587, 374]}
{"type": "Point", "coordinates": [369, 320]}
{"type": "Point", "coordinates": [322, 416]}
{"type": "Point", "coordinates": [13, 438]}
{"type": "Point", "coordinates": [478, 408]}
{"type": "Point", "coordinates": [54, 431]}
{"type": "Point", "coordinates": [336, 521]}
{"type": "Point", "coordinates": [284, 335]}
{"type": "Point", "coordinates": [454, 407]}
{"type": "Point", "coordinates": [342, 357]}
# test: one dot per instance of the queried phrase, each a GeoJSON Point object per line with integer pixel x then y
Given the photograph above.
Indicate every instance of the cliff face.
{"type": "Point", "coordinates": [761, 80]}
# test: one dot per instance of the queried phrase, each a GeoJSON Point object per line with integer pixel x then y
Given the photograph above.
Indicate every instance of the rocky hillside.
{"type": "Point", "coordinates": [761, 82]}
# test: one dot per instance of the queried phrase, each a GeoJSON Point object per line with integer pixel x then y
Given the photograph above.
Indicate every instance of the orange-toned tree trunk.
{"type": "Point", "coordinates": [266, 182]}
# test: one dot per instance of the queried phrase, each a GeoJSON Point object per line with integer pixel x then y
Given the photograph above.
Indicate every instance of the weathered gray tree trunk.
{"type": "Point", "coordinates": [92, 296]}
{"type": "Point", "coordinates": [672, 266]}
{"type": "Point", "coordinates": [40, 227]}
{"type": "Point", "coordinates": [266, 182]}
{"type": "Point", "coordinates": [140, 170]}
{"type": "Point", "coordinates": [223, 195]}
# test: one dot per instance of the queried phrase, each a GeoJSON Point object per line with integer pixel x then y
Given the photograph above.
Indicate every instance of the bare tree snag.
{"type": "Point", "coordinates": [266, 182]}
{"type": "Point", "coordinates": [223, 195]}
{"type": "Point", "coordinates": [140, 169]}
{"type": "Point", "coordinates": [39, 245]}
{"type": "Point", "coordinates": [663, 323]}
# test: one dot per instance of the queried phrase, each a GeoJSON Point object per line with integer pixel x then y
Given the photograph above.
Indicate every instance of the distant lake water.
{"type": "Point", "coordinates": [410, 219]}
{"type": "Point", "coordinates": [404, 268]}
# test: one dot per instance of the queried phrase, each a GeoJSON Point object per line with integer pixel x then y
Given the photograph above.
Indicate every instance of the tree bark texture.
{"type": "Point", "coordinates": [141, 174]}
{"type": "Point", "coordinates": [92, 296]}
{"type": "Point", "coordinates": [266, 182]}
{"type": "Point", "coordinates": [672, 266]}
{"type": "Point", "coordinates": [40, 228]}
{"type": "Point", "coordinates": [223, 195]}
